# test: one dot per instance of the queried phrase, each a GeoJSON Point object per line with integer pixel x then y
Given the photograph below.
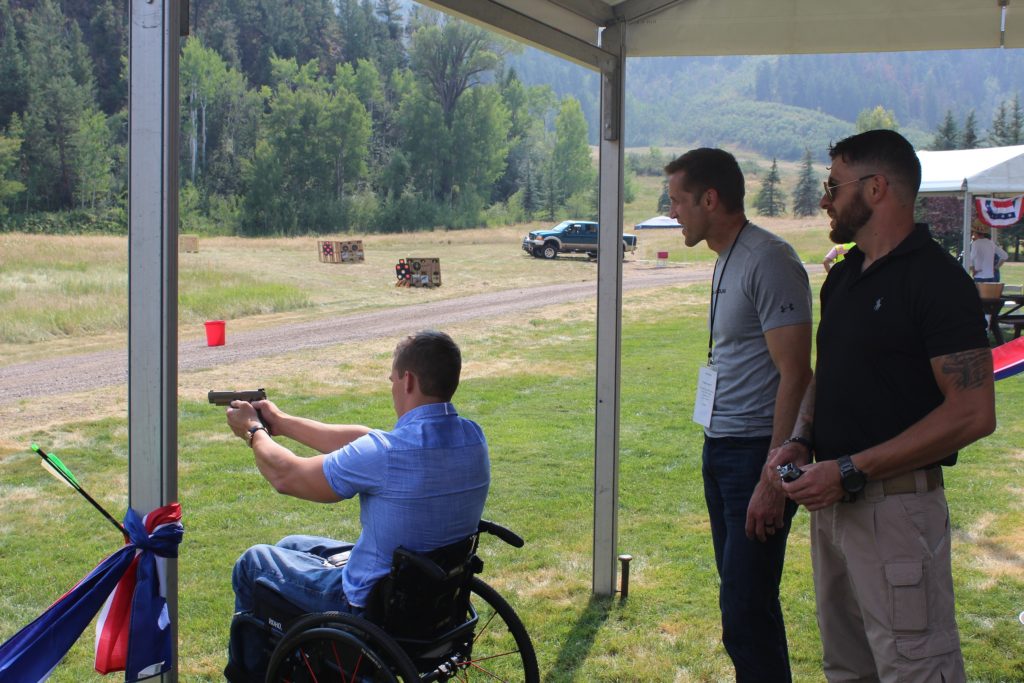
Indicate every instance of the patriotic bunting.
{"type": "Point", "coordinates": [133, 633]}
{"type": "Point", "coordinates": [998, 213]}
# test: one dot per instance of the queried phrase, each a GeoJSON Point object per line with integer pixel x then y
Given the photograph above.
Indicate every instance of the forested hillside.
{"type": "Point", "coordinates": [312, 116]}
{"type": "Point", "coordinates": [777, 105]}
{"type": "Point", "coordinates": [379, 115]}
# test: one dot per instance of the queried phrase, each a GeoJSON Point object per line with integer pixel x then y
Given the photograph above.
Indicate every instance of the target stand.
{"type": "Point", "coordinates": [418, 272]}
{"type": "Point", "coordinates": [341, 252]}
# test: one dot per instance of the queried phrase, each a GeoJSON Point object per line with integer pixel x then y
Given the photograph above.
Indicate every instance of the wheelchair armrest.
{"type": "Point", "coordinates": [507, 535]}
{"type": "Point", "coordinates": [430, 569]}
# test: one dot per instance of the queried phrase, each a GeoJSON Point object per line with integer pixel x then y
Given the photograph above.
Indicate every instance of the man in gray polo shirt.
{"type": "Point", "coordinates": [747, 401]}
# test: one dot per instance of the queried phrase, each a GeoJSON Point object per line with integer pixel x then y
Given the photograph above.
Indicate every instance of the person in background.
{"type": "Point", "coordinates": [759, 353]}
{"type": "Point", "coordinates": [836, 254]}
{"type": "Point", "coordinates": [986, 256]}
{"type": "Point", "coordinates": [903, 381]}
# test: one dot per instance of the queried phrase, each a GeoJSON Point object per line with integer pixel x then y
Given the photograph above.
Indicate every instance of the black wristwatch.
{"type": "Point", "coordinates": [853, 480]}
{"type": "Point", "coordinates": [252, 432]}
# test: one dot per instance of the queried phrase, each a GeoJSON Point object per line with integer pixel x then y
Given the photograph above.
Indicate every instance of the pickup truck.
{"type": "Point", "coordinates": [572, 237]}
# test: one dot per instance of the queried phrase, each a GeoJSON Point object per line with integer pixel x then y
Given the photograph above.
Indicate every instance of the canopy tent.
{"type": "Point", "coordinates": [599, 34]}
{"type": "Point", "coordinates": [658, 222]}
{"type": "Point", "coordinates": [969, 172]}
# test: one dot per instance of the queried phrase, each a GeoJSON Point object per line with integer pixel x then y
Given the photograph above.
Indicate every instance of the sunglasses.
{"type": "Point", "coordinates": [830, 189]}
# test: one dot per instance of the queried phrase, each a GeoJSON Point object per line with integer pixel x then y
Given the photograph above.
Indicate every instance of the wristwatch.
{"type": "Point", "coordinates": [252, 432]}
{"type": "Point", "coordinates": [852, 479]}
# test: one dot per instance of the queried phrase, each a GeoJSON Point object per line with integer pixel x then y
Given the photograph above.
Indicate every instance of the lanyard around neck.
{"type": "Point", "coordinates": [715, 288]}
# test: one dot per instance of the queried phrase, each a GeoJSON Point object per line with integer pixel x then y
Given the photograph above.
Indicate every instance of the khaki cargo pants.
{"type": "Point", "coordinates": [884, 587]}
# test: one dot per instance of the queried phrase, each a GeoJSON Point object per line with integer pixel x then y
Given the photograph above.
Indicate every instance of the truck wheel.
{"type": "Point", "coordinates": [549, 250]}
{"type": "Point", "coordinates": [592, 255]}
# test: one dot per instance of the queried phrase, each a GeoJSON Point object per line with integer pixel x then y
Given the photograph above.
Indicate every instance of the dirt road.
{"type": "Point", "coordinates": [70, 374]}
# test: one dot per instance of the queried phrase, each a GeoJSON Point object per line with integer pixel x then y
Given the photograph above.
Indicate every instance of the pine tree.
{"type": "Point", "coordinates": [946, 136]}
{"type": "Point", "coordinates": [771, 200]}
{"type": "Point", "coordinates": [13, 87]}
{"type": "Point", "coordinates": [664, 202]}
{"type": "Point", "coordinates": [997, 132]}
{"type": "Point", "coordinates": [808, 190]}
{"type": "Point", "coordinates": [969, 138]}
{"type": "Point", "coordinates": [1015, 123]}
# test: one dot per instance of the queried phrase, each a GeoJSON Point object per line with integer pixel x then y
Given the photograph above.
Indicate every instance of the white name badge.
{"type": "Point", "coordinates": [705, 401]}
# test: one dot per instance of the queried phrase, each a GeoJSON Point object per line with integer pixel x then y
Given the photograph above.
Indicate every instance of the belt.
{"type": "Point", "coordinates": [917, 481]}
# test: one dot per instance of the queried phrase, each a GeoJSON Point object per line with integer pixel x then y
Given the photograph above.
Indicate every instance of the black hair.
{"type": "Point", "coordinates": [888, 152]}
{"type": "Point", "coordinates": [705, 168]}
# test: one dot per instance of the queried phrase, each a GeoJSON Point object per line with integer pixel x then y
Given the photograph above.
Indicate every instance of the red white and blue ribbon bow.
{"type": "Point", "coordinates": [133, 633]}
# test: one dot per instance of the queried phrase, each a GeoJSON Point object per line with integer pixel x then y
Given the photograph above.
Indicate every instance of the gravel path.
{"type": "Point", "coordinates": [69, 374]}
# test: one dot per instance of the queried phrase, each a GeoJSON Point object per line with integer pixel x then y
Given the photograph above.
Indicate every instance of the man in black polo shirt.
{"type": "Point", "coordinates": [903, 380]}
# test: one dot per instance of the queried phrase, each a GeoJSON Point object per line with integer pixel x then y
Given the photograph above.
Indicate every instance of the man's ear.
{"type": "Point", "coordinates": [409, 382]}
{"type": "Point", "coordinates": [710, 199]}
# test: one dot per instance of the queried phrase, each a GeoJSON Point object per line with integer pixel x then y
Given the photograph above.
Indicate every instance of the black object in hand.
{"type": "Point", "coordinates": [789, 472]}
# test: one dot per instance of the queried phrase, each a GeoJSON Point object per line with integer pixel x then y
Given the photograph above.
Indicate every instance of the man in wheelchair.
{"type": "Point", "coordinates": [421, 487]}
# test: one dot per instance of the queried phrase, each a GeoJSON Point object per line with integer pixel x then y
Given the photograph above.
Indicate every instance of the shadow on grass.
{"type": "Point", "coordinates": [580, 639]}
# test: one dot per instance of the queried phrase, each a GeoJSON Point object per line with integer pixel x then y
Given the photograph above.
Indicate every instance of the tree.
{"type": "Point", "coordinates": [10, 188]}
{"type": "Point", "coordinates": [969, 138]}
{"type": "Point", "coordinates": [452, 56]}
{"type": "Point", "coordinates": [877, 118]}
{"type": "Point", "coordinates": [771, 200]}
{"type": "Point", "coordinates": [202, 75]}
{"type": "Point", "coordinates": [1015, 123]}
{"type": "Point", "coordinates": [998, 132]}
{"type": "Point", "coordinates": [90, 145]}
{"type": "Point", "coordinates": [60, 96]}
{"type": "Point", "coordinates": [571, 169]}
{"type": "Point", "coordinates": [808, 189]}
{"type": "Point", "coordinates": [312, 157]}
{"type": "Point", "coordinates": [947, 136]}
{"type": "Point", "coordinates": [482, 122]}
{"type": "Point", "coordinates": [13, 86]}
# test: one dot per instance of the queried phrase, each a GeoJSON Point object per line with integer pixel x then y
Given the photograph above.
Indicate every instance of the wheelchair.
{"type": "Point", "coordinates": [430, 619]}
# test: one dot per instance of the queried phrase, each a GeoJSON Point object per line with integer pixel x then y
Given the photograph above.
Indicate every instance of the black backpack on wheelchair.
{"type": "Point", "coordinates": [430, 619]}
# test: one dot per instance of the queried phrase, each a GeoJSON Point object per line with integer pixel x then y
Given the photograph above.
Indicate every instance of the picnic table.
{"type": "Point", "coordinates": [1004, 310]}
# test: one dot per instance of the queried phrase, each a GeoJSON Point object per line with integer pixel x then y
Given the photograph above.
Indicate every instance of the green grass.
{"type": "Point", "coordinates": [538, 415]}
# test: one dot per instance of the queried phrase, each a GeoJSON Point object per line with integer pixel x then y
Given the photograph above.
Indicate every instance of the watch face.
{"type": "Point", "coordinates": [853, 480]}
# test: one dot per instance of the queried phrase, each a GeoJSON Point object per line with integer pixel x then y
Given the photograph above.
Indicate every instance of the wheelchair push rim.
{"type": "Point", "coordinates": [338, 648]}
{"type": "Point", "coordinates": [499, 648]}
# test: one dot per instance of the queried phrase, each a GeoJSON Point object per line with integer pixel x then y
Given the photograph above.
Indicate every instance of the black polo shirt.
{"type": "Point", "coordinates": [879, 330]}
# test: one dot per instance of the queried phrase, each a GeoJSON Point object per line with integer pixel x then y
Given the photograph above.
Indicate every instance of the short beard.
{"type": "Point", "coordinates": [856, 216]}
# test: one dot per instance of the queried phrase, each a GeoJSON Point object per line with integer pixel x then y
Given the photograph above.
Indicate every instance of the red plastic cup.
{"type": "Point", "coordinates": [215, 333]}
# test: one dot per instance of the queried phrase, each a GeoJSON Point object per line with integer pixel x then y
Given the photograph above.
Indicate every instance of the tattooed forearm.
{"type": "Point", "coordinates": [968, 369]}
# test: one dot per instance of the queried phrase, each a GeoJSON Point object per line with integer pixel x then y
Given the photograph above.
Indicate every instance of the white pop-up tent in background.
{"type": "Point", "coordinates": [966, 173]}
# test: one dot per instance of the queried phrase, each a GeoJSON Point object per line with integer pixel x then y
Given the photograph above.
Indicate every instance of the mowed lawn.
{"type": "Point", "coordinates": [529, 381]}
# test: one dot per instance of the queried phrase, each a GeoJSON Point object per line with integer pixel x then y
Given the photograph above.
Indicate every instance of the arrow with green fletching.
{"type": "Point", "coordinates": [60, 471]}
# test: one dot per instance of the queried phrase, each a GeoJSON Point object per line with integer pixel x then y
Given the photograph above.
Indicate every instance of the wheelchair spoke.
{"type": "Point", "coordinates": [501, 649]}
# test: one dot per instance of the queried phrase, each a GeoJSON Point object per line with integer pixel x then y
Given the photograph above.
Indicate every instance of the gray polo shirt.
{"type": "Point", "coordinates": [759, 285]}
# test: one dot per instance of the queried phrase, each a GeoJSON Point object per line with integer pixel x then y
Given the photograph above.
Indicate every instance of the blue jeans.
{"type": "Point", "coordinates": [753, 631]}
{"type": "Point", "coordinates": [298, 569]}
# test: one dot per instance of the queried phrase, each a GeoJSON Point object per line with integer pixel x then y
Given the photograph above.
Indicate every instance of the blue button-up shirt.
{"type": "Point", "coordinates": [421, 486]}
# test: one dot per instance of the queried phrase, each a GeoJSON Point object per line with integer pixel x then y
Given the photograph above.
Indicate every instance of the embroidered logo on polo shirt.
{"type": "Point", "coordinates": [878, 304]}
{"type": "Point", "coordinates": [786, 307]}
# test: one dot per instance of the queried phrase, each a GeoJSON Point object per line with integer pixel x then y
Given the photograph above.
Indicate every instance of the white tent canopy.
{"type": "Point", "coordinates": [658, 222]}
{"type": "Point", "coordinates": [992, 170]}
{"type": "Point", "coordinates": [968, 172]}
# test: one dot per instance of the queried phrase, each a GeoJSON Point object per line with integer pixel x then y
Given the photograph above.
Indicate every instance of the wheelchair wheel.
{"type": "Point", "coordinates": [335, 647]}
{"type": "Point", "coordinates": [501, 648]}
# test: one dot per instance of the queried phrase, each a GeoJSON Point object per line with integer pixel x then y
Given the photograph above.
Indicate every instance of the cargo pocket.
{"type": "Point", "coordinates": [909, 596]}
